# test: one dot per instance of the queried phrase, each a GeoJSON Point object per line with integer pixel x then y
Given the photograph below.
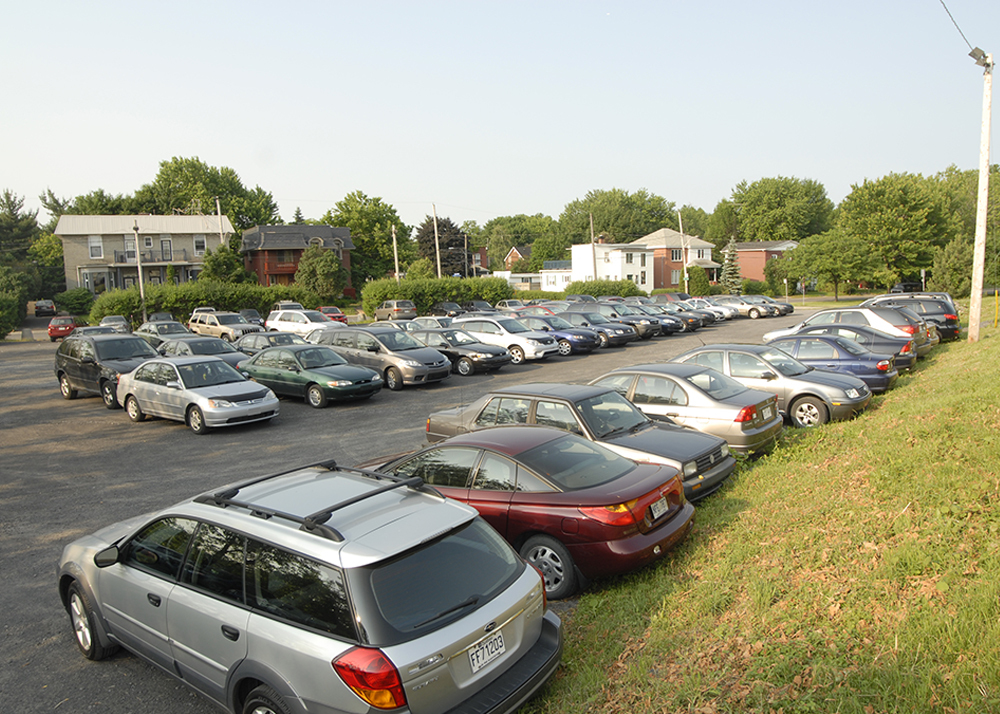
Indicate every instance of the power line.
{"type": "Point", "coordinates": [956, 25]}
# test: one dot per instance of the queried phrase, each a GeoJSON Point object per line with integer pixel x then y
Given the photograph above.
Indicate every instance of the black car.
{"type": "Point", "coordinates": [156, 333]}
{"type": "Point", "coordinates": [467, 354]}
{"type": "Point", "coordinates": [252, 316]}
{"type": "Point", "coordinates": [202, 345]}
{"type": "Point", "coordinates": [478, 306]}
{"type": "Point", "coordinates": [644, 325]}
{"type": "Point", "coordinates": [903, 349]}
{"type": "Point", "coordinates": [254, 342]}
{"type": "Point", "coordinates": [446, 309]}
{"type": "Point", "coordinates": [571, 339]}
{"type": "Point", "coordinates": [93, 363]}
{"type": "Point", "coordinates": [610, 333]}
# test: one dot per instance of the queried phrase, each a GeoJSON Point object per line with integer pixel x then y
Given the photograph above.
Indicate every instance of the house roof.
{"type": "Point", "coordinates": [75, 225]}
{"type": "Point", "coordinates": [669, 238]}
{"type": "Point", "coordinates": [767, 245]}
{"type": "Point", "coordinates": [297, 237]}
{"type": "Point", "coordinates": [523, 250]}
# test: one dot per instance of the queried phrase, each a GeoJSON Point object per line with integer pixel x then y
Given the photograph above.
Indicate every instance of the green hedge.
{"type": "Point", "coordinates": [425, 292]}
{"type": "Point", "coordinates": [181, 300]}
{"type": "Point", "coordinates": [538, 295]}
{"type": "Point", "coordinates": [621, 288]}
{"type": "Point", "coordinates": [755, 287]}
{"type": "Point", "coordinates": [77, 301]}
{"type": "Point", "coordinates": [9, 318]}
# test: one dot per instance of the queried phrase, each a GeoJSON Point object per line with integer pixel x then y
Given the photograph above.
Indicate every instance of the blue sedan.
{"type": "Point", "coordinates": [839, 354]}
{"type": "Point", "coordinates": [571, 338]}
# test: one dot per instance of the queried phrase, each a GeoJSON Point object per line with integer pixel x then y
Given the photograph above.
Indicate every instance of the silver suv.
{"type": "Point", "coordinates": [389, 596]}
{"type": "Point", "coordinates": [229, 326]}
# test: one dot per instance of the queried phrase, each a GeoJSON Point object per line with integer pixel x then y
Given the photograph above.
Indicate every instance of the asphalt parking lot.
{"type": "Point", "coordinates": [71, 467]}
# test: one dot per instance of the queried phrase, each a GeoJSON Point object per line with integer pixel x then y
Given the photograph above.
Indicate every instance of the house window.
{"type": "Point", "coordinates": [199, 244]}
{"type": "Point", "coordinates": [642, 260]}
{"type": "Point", "coordinates": [166, 249]}
{"type": "Point", "coordinates": [676, 255]}
{"type": "Point", "coordinates": [628, 257]}
{"type": "Point", "coordinates": [147, 241]}
{"type": "Point", "coordinates": [642, 277]}
{"type": "Point", "coordinates": [96, 246]}
{"type": "Point", "coordinates": [675, 277]}
{"type": "Point", "coordinates": [129, 250]}
{"type": "Point", "coordinates": [629, 277]}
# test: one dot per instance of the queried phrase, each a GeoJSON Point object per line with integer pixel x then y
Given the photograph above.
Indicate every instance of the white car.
{"type": "Point", "coordinates": [723, 312]}
{"type": "Point", "coordinates": [522, 343]}
{"type": "Point", "coordinates": [301, 322]}
{"type": "Point", "coordinates": [882, 319]}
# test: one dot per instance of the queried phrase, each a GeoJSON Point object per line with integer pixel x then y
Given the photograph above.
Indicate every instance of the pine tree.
{"type": "Point", "coordinates": [731, 279]}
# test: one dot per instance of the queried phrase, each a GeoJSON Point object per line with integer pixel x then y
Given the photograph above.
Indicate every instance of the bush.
{"type": "Point", "coordinates": [621, 288]}
{"type": "Point", "coordinates": [425, 292]}
{"type": "Point", "coordinates": [9, 320]}
{"type": "Point", "coordinates": [538, 295]}
{"type": "Point", "coordinates": [755, 287]}
{"type": "Point", "coordinates": [77, 301]}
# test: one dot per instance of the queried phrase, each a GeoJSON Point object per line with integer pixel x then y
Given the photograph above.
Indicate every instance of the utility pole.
{"type": "Point", "coordinates": [466, 236]}
{"type": "Point", "coordinates": [138, 264]}
{"type": "Point", "coordinates": [979, 253]}
{"type": "Point", "coordinates": [593, 245]}
{"type": "Point", "coordinates": [684, 251]}
{"type": "Point", "coordinates": [395, 252]}
{"type": "Point", "coordinates": [437, 243]}
{"type": "Point", "coordinates": [218, 212]}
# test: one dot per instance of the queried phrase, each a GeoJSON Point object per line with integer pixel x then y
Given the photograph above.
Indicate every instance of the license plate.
{"type": "Point", "coordinates": [766, 411]}
{"type": "Point", "coordinates": [658, 508]}
{"type": "Point", "coordinates": [486, 651]}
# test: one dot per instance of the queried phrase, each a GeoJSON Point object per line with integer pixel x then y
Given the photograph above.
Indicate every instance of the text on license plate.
{"type": "Point", "coordinates": [658, 508]}
{"type": "Point", "coordinates": [486, 651]}
{"type": "Point", "coordinates": [766, 411]}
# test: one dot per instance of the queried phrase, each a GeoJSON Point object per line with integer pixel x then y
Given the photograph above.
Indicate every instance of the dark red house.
{"type": "Point", "coordinates": [273, 252]}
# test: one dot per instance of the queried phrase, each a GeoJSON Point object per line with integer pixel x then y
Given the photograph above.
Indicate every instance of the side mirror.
{"type": "Point", "coordinates": [769, 376]}
{"type": "Point", "coordinates": [172, 385]}
{"type": "Point", "coordinates": [87, 360]}
{"type": "Point", "coordinates": [106, 557]}
{"type": "Point", "coordinates": [373, 348]}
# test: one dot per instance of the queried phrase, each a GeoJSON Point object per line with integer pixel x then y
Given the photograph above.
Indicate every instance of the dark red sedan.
{"type": "Point", "coordinates": [573, 508]}
{"type": "Point", "coordinates": [60, 327]}
{"type": "Point", "coordinates": [334, 313]}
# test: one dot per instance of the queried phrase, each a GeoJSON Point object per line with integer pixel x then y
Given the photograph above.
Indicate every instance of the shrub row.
{"type": "Point", "coordinates": [621, 288]}
{"type": "Point", "coordinates": [425, 292]}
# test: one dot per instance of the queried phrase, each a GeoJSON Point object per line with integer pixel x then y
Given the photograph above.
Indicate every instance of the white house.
{"type": "Point", "coordinates": [614, 261]}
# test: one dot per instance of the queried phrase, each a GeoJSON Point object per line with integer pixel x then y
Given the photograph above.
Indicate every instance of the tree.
{"type": "Point", "coordinates": [56, 207]}
{"type": "Point", "coordinates": [46, 253]}
{"type": "Point", "coordinates": [723, 225]}
{"type": "Point", "coordinates": [834, 257]}
{"type": "Point", "coordinates": [953, 268]}
{"type": "Point", "coordinates": [421, 269]}
{"type": "Point", "coordinates": [695, 221]}
{"type": "Point", "coordinates": [902, 218]}
{"type": "Point", "coordinates": [782, 208]}
{"type": "Point", "coordinates": [17, 228]}
{"type": "Point", "coordinates": [698, 280]}
{"type": "Point", "coordinates": [549, 247]}
{"type": "Point", "coordinates": [504, 232]}
{"type": "Point", "coordinates": [731, 278]}
{"type": "Point", "coordinates": [321, 271]}
{"type": "Point", "coordinates": [225, 265]}
{"type": "Point", "coordinates": [452, 245]}
{"type": "Point", "coordinates": [298, 219]}
{"type": "Point", "coordinates": [621, 216]}
{"type": "Point", "coordinates": [371, 221]}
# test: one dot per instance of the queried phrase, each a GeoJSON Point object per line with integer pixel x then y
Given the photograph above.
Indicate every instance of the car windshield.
{"type": "Point", "coordinates": [459, 337]}
{"type": "Point", "coordinates": [113, 320]}
{"type": "Point", "coordinates": [572, 463]}
{"type": "Point", "coordinates": [715, 384]}
{"type": "Point", "coordinates": [850, 346]}
{"type": "Point", "coordinates": [622, 309]}
{"type": "Point", "coordinates": [512, 326]}
{"type": "Point", "coordinates": [208, 374]}
{"type": "Point", "coordinates": [170, 328]}
{"type": "Point", "coordinates": [319, 357]}
{"type": "Point", "coordinates": [609, 414]}
{"type": "Point", "coordinates": [515, 303]}
{"type": "Point", "coordinates": [62, 321]}
{"type": "Point", "coordinates": [397, 340]}
{"type": "Point", "coordinates": [250, 313]}
{"type": "Point", "coordinates": [595, 318]}
{"type": "Point", "coordinates": [210, 347]}
{"type": "Point", "coordinates": [231, 319]}
{"type": "Point", "coordinates": [558, 323]}
{"type": "Point", "coordinates": [783, 362]}
{"type": "Point", "coordinates": [125, 348]}
{"type": "Point", "coordinates": [278, 339]}
{"type": "Point", "coordinates": [449, 306]}
{"type": "Point", "coordinates": [315, 316]}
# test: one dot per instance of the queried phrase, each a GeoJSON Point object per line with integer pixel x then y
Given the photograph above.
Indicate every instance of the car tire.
{"type": "Point", "coordinates": [65, 388]}
{"type": "Point", "coordinates": [754, 313]}
{"type": "Point", "coordinates": [264, 700]}
{"type": "Point", "coordinates": [133, 409]}
{"type": "Point", "coordinates": [315, 396]}
{"type": "Point", "coordinates": [465, 367]}
{"type": "Point", "coordinates": [516, 355]}
{"type": "Point", "coordinates": [393, 379]}
{"type": "Point", "coordinates": [807, 412]}
{"type": "Point", "coordinates": [108, 395]}
{"type": "Point", "coordinates": [555, 563]}
{"type": "Point", "coordinates": [52, 339]}
{"type": "Point", "coordinates": [565, 348]}
{"type": "Point", "coordinates": [81, 616]}
{"type": "Point", "coordinates": [604, 340]}
{"type": "Point", "coordinates": [196, 421]}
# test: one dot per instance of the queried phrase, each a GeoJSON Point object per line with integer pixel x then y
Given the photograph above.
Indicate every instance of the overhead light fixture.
{"type": "Point", "coordinates": [978, 55]}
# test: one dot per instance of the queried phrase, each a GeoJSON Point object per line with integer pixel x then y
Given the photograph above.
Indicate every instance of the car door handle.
{"type": "Point", "coordinates": [230, 633]}
{"type": "Point", "coordinates": [153, 599]}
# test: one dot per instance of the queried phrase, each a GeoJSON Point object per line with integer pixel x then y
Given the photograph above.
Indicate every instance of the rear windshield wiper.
{"type": "Point", "coordinates": [472, 600]}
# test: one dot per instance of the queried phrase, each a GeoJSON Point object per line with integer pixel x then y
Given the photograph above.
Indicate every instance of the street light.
{"type": "Point", "coordinates": [984, 60]}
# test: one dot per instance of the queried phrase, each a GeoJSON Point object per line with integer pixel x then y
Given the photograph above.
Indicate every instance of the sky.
{"type": "Point", "coordinates": [487, 109]}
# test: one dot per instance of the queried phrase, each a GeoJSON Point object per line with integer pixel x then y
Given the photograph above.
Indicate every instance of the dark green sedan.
{"type": "Point", "coordinates": [312, 371]}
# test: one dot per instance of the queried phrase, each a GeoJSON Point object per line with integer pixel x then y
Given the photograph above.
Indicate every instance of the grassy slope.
{"type": "Point", "coordinates": [854, 570]}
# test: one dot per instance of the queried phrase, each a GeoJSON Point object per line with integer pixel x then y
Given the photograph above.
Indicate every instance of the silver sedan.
{"type": "Point", "coordinates": [203, 392]}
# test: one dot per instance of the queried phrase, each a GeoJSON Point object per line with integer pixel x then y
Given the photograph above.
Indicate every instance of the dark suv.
{"type": "Point", "coordinates": [318, 589]}
{"type": "Point", "coordinates": [93, 363]}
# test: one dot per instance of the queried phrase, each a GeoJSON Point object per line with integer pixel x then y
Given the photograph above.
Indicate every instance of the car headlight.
{"type": "Point", "coordinates": [220, 403]}
{"type": "Point", "coordinates": [725, 450]}
{"type": "Point", "coordinates": [339, 383]}
{"type": "Point", "coordinates": [377, 378]}
{"type": "Point", "coordinates": [411, 363]}
{"type": "Point", "coordinates": [852, 393]}
{"type": "Point", "coordinates": [479, 355]}
{"type": "Point", "coordinates": [534, 342]}
{"type": "Point", "coordinates": [690, 468]}
{"type": "Point", "coordinates": [644, 322]}
{"type": "Point", "coordinates": [619, 332]}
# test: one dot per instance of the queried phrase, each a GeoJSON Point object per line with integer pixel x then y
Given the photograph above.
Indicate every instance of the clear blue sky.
{"type": "Point", "coordinates": [489, 108]}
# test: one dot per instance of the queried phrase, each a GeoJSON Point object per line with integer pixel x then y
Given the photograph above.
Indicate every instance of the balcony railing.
{"type": "Point", "coordinates": [127, 257]}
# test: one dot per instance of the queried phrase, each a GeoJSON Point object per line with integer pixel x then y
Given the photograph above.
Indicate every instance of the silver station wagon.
{"type": "Point", "coordinates": [321, 589]}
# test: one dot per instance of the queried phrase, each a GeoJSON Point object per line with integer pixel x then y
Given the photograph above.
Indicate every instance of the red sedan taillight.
{"type": "Point", "coordinates": [949, 316]}
{"type": "Point", "coordinates": [619, 515]}
{"type": "Point", "coordinates": [908, 347]}
{"type": "Point", "coordinates": [908, 329]}
{"type": "Point", "coordinates": [746, 414]}
{"type": "Point", "coordinates": [883, 365]}
{"type": "Point", "coordinates": [371, 676]}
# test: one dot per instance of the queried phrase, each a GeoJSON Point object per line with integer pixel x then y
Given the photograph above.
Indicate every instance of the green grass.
{"type": "Point", "coordinates": [856, 570]}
